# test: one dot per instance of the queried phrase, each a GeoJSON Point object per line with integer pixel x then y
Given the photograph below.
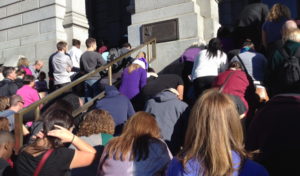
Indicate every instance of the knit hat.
{"type": "Point", "coordinates": [142, 62]}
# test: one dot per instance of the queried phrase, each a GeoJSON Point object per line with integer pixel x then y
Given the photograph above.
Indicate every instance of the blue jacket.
{"type": "Point", "coordinates": [119, 106]}
{"type": "Point", "coordinates": [193, 168]}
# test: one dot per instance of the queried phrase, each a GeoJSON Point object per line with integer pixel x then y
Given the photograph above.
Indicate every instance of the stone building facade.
{"type": "Point", "coordinates": [32, 27]}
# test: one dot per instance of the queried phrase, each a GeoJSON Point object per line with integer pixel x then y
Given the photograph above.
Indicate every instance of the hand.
{"type": "Point", "coordinates": [69, 69]}
{"type": "Point", "coordinates": [62, 133]}
{"type": "Point", "coordinates": [40, 135]}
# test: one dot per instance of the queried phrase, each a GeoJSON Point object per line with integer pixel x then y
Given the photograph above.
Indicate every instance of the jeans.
{"type": "Point", "coordinates": [91, 89]}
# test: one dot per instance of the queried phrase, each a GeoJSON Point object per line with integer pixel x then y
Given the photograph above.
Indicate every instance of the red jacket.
{"type": "Point", "coordinates": [236, 84]}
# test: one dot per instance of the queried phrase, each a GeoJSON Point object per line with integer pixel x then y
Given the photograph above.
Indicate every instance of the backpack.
{"type": "Point", "coordinates": [289, 73]}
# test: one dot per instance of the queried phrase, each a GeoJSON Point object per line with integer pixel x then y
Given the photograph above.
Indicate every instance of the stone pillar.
{"type": "Point", "coordinates": [33, 27]}
{"type": "Point", "coordinates": [197, 21]}
{"type": "Point", "coordinates": [75, 22]}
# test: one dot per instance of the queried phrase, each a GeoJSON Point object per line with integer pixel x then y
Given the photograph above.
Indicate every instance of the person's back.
{"type": "Point", "coordinates": [214, 141]}
{"type": "Point", "coordinates": [206, 66]}
{"type": "Point", "coordinates": [89, 61]}
{"type": "Point", "coordinates": [28, 93]}
{"type": "Point", "coordinates": [157, 84]}
{"type": "Point", "coordinates": [253, 15]}
{"type": "Point", "coordinates": [292, 48]}
{"type": "Point", "coordinates": [193, 167]}
{"type": "Point", "coordinates": [167, 109]}
{"type": "Point", "coordinates": [75, 53]}
{"type": "Point", "coordinates": [275, 131]}
{"type": "Point", "coordinates": [255, 63]}
{"type": "Point", "coordinates": [137, 151]}
{"type": "Point", "coordinates": [119, 106]}
{"type": "Point", "coordinates": [8, 87]}
{"type": "Point", "coordinates": [61, 62]}
{"type": "Point", "coordinates": [133, 81]}
{"type": "Point", "coordinates": [59, 159]}
{"type": "Point", "coordinates": [155, 163]}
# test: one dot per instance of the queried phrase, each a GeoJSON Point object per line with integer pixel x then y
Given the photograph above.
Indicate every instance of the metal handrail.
{"type": "Point", "coordinates": [36, 106]}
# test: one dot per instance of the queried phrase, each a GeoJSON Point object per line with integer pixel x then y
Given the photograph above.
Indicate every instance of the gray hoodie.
{"type": "Point", "coordinates": [167, 109]}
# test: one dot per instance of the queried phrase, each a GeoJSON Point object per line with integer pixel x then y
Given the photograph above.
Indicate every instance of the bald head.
{"type": "Point", "coordinates": [6, 137]}
{"type": "Point", "coordinates": [288, 26]}
{"type": "Point", "coordinates": [38, 64]}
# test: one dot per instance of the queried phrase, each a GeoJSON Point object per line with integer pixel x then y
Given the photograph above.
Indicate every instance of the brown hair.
{"type": "Point", "coordinates": [235, 64]}
{"type": "Point", "coordinates": [4, 124]}
{"type": "Point", "coordinates": [4, 103]}
{"type": "Point", "coordinates": [61, 45]}
{"type": "Point", "coordinates": [95, 122]}
{"type": "Point", "coordinates": [133, 67]}
{"type": "Point", "coordinates": [278, 11]}
{"type": "Point", "coordinates": [89, 42]}
{"type": "Point", "coordinates": [139, 125]}
{"type": "Point", "coordinates": [214, 131]}
{"type": "Point", "coordinates": [23, 61]}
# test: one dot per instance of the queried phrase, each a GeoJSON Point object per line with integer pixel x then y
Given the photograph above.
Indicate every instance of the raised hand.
{"type": "Point", "coordinates": [62, 133]}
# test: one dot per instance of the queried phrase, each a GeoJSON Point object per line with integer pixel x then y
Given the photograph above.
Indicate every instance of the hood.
{"type": "Point", "coordinates": [165, 96]}
{"type": "Point", "coordinates": [111, 91]}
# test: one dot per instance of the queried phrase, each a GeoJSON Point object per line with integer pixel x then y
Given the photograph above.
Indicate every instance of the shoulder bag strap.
{"type": "Point", "coordinates": [243, 65]}
{"type": "Point", "coordinates": [225, 82]}
{"type": "Point", "coordinates": [42, 162]}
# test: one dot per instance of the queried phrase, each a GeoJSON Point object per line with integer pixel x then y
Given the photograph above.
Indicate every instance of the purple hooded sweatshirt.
{"type": "Point", "coordinates": [132, 83]}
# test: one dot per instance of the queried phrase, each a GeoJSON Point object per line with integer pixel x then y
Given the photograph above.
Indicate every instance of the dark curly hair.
{"type": "Point", "coordinates": [95, 122]}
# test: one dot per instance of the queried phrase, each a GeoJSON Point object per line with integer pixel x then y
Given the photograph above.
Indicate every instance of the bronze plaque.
{"type": "Point", "coordinates": [163, 31]}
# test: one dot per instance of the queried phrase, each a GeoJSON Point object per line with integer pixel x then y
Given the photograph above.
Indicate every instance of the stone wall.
{"type": "Point", "coordinates": [33, 27]}
{"type": "Point", "coordinates": [198, 22]}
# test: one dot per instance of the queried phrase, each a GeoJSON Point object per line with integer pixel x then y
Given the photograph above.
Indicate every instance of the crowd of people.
{"type": "Point", "coordinates": [233, 110]}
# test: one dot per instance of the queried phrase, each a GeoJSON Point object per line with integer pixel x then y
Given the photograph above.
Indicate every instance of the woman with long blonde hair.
{"type": "Point", "coordinates": [214, 141]}
{"type": "Point", "coordinates": [138, 151]}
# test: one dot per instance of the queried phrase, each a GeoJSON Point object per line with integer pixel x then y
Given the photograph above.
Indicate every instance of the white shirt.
{"type": "Point", "coordinates": [60, 64]}
{"type": "Point", "coordinates": [205, 66]}
{"type": "Point", "coordinates": [75, 54]}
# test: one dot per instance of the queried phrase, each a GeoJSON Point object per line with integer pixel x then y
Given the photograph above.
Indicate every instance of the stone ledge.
{"type": "Point", "coordinates": [11, 22]}
{"type": "Point", "coordinates": [146, 5]}
{"type": "Point", "coordinates": [163, 13]}
{"type": "Point", "coordinates": [39, 14]}
{"type": "Point", "coordinates": [8, 2]}
{"type": "Point", "coordinates": [22, 7]}
{"type": "Point", "coordinates": [3, 36]}
{"type": "Point", "coordinates": [23, 31]}
{"type": "Point", "coordinates": [51, 2]}
{"type": "Point", "coordinates": [10, 44]}
{"type": "Point", "coordinates": [38, 38]}
{"type": "Point", "coordinates": [3, 12]}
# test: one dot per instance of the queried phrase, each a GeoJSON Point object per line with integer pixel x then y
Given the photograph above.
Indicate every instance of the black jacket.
{"type": "Point", "coordinates": [8, 87]}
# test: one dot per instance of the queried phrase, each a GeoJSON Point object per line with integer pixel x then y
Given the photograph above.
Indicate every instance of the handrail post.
{"type": "Point", "coordinates": [154, 49]}
{"type": "Point", "coordinates": [37, 113]}
{"type": "Point", "coordinates": [110, 75]}
{"type": "Point", "coordinates": [18, 131]}
{"type": "Point", "coordinates": [148, 53]}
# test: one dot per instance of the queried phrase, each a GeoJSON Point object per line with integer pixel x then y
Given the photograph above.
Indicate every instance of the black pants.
{"type": "Point", "coordinates": [203, 83]}
{"type": "Point", "coordinates": [58, 86]}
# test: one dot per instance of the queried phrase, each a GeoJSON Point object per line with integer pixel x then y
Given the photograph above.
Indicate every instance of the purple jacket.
{"type": "Point", "coordinates": [133, 82]}
{"type": "Point", "coordinates": [190, 54]}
